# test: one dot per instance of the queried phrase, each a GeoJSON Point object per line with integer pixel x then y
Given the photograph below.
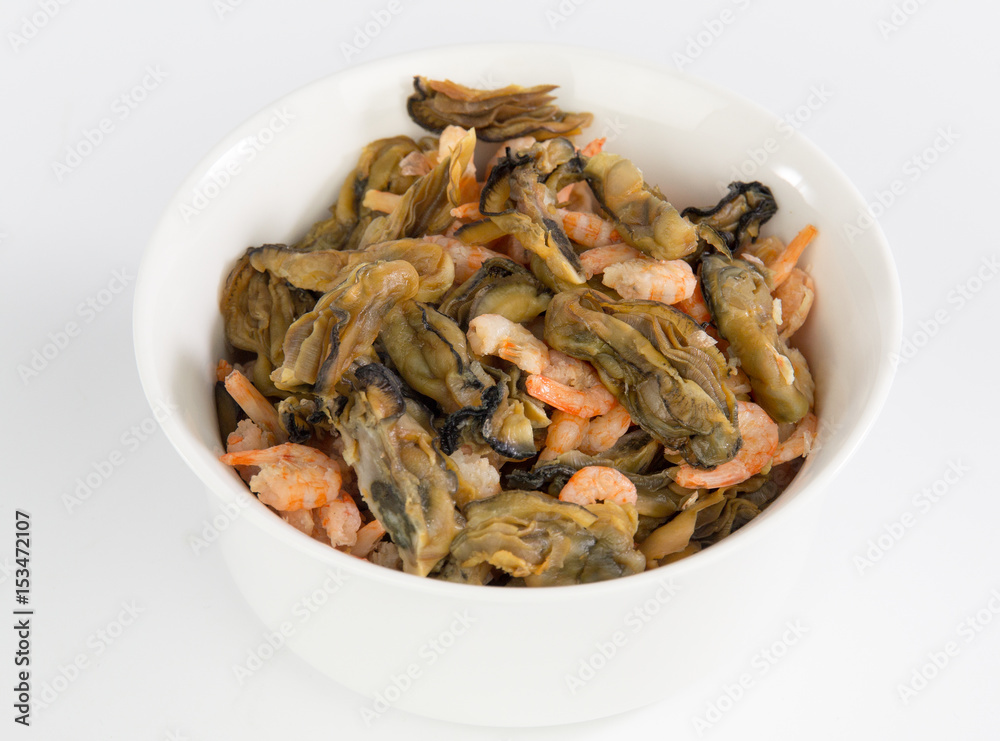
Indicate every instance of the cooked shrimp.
{"type": "Point", "coordinates": [604, 431]}
{"type": "Point", "coordinates": [256, 406]}
{"type": "Point", "coordinates": [667, 281]}
{"type": "Point", "coordinates": [381, 200]}
{"type": "Point", "coordinates": [597, 260]}
{"type": "Point", "coordinates": [492, 334]}
{"type": "Point", "coordinates": [564, 434]}
{"type": "Point", "coordinates": [595, 146]}
{"type": "Point", "coordinates": [598, 483]}
{"type": "Point", "coordinates": [291, 476]}
{"type": "Point", "coordinates": [570, 371]}
{"type": "Point", "coordinates": [694, 305]}
{"type": "Point", "coordinates": [760, 441]}
{"type": "Point", "coordinates": [301, 519]}
{"type": "Point", "coordinates": [341, 520]}
{"type": "Point", "coordinates": [468, 258]}
{"type": "Point", "coordinates": [796, 295]}
{"type": "Point", "coordinates": [588, 402]}
{"type": "Point", "coordinates": [367, 538]}
{"type": "Point", "coordinates": [589, 230]}
{"type": "Point", "coordinates": [738, 381]}
{"type": "Point", "coordinates": [799, 442]}
{"type": "Point", "coordinates": [478, 472]}
{"type": "Point", "coordinates": [511, 247]}
{"type": "Point", "coordinates": [222, 369]}
{"type": "Point", "coordinates": [415, 163]}
{"type": "Point", "coordinates": [469, 211]}
{"type": "Point", "coordinates": [781, 267]}
{"type": "Point", "coordinates": [248, 436]}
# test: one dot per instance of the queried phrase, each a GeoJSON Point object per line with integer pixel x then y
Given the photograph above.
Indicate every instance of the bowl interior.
{"type": "Point", "coordinates": [276, 174]}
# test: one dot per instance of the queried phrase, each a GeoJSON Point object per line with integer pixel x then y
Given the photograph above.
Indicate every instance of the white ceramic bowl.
{"type": "Point", "coordinates": [513, 656]}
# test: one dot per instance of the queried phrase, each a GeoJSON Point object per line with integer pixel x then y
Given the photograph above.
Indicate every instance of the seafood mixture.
{"type": "Point", "coordinates": [532, 371]}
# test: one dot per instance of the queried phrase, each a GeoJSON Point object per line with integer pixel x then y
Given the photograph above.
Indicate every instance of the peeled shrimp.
{"type": "Point", "coordinates": [367, 538]}
{"type": "Point", "coordinates": [567, 369]}
{"type": "Point", "coordinates": [587, 402]}
{"type": "Point", "coordinates": [597, 260]}
{"type": "Point", "coordinates": [415, 163]}
{"type": "Point", "coordinates": [248, 436]}
{"type": "Point", "coordinates": [604, 431]}
{"type": "Point", "coordinates": [492, 334]}
{"type": "Point", "coordinates": [595, 146]}
{"type": "Point", "coordinates": [694, 305]}
{"type": "Point", "coordinates": [468, 258]}
{"type": "Point", "coordinates": [760, 441]}
{"type": "Point", "coordinates": [256, 406]}
{"type": "Point", "coordinates": [799, 442]}
{"type": "Point", "coordinates": [468, 211]}
{"type": "Point", "coordinates": [564, 434]}
{"type": "Point", "coordinates": [589, 230]}
{"type": "Point", "coordinates": [291, 476]}
{"type": "Point", "coordinates": [381, 200]}
{"type": "Point", "coordinates": [781, 267]}
{"type": "Point", "coordinates": [593, 483]}
{"type": "Point", "coordinates": [667, 281]}
{"type": "Point", "coordinates": [341, 520]}
{"type": "Point", "coordinates": [796, 295]}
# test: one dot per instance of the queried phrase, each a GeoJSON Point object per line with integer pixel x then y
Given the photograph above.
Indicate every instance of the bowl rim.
{"type": "Point", "coordinates": [226, 486]}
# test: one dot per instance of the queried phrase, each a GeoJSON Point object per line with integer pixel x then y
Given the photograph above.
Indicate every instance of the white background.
{"type": "Point", "coordinates": [885, 80]}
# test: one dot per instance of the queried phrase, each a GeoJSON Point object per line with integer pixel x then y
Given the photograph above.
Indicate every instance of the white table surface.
{"type": "Point", "coordinates": [156, 629]}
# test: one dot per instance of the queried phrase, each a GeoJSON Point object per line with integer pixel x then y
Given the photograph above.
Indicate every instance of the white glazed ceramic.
{"type": "Point", "coordinates": [506, 656]}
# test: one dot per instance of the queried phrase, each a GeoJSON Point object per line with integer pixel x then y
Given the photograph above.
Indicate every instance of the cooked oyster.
{"type": "Point", "coordinates": [500, 286]}
{"type": "Point", "coordinates": [740, 303]}
{"type": "Point", "coordinates": [405, 480]}
{"type": "Point", "coordinates": [642, 216]}
{"type": "Point", "coordinates": [668, 402]}
{"type": "Point", "coordinates": [497, 115]}
{"type": "Point", "coordinates": [320, 345]}
{"type": "Point", "coordinates": [737, 218]}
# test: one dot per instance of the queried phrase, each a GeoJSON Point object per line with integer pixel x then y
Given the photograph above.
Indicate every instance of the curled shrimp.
{"type": "Point", "coordinates": [248, 436]}
{"type": "Point", "coordinates": [667, 281]}
{"type": "Point", "coordinates": [800, 442]}
{"type": "Point", "coordinates": [594, 146]}
{"type": "Point", "coordinates": [468, 258]}
{"type": "Point", "coordinates": [598, 259]}
{"type": "Point", "coordinates": [564, 434]}
{"type": "Point", "coordinates": [341, 520]}
{"type": "Point", "coordinates": [598, 483]}
{"type": "Point", "coordinates": [589, 230]}
{"type": "Point", "coordinates": [588, 402]}
{"type": "Point", "coordinates": [781, 266]}
{"type": "Point", "coordinates": [468, 211]}
{"type": "Point", "coordinates": [604, 431]}
{"type": "Point", "coordinates": [492, 334]}
{"type": "Point", "coordinates": [367, 538]}
{"type": "Point", "coordinates": [291, 476]}
{"type": "Point", "coordinates": [256, 406]}
{"type": "Point", "coordinates": [796, 295]}
{"type": "Point", "coordinates": [760, 441]}
{"type": "Point", "coordinates": [694, 305]}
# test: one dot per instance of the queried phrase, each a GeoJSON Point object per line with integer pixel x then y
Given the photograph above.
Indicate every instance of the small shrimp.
{"type": "Point", "coordinates": [604, 431]}
{"type": "Point", "coordinates": [738, 381]}
{"type": "Point", "coordinates": [799, 442]}
{"type": "Point", "coordinates": [367, 538]}
{"type": "Point", "coordinates": [597, 260]}
{"type": "Point", "coordinates": [511, 247]}
{"type": "Point", "coordinates": [248, 436]}
{"type": "Point", "coordinates": [381, 200]}
{"type": "Point", "coordinates": [667, 281]}
{"type": "Point", "coordinates": [416, 164]}
{"type": "Point", "coordinates": [588, 402]}
{"type": "Point", "coordinates": [492, 334]}
{"type": "Point", "coordinates": [796, 295]}
{"type": "Point", "coordinates": [694, 305]}
{"type": "Point", "coordinates": [589, 230]}
{"type": "Point", "coordinates": [341, 520]}
{"type": "Point", "coordinates": [564, 434]}
{"type": "Point", "coordinates": [468, 258]}
{"type": "Point", "coordinates": [781, 267]}
{"type": "Point", "coordinates": [223, 369]}
{"type": "Point", "coordinates": [760, 441]}
{"type": "Point", "coordinates": [478, 472]}
{"type": "Point", "coordinates": [301, 519]}
{"type": "Point", "coordinates": [567, 369]}
{"type": "Point", "coordinates": [469, 211]}
{"type": "Point", "coordinates": [593, 483]}
{"type": "Point", "coordinates": [256, 406]}
{"type": "Point", "coordinates": [291, 476]}
{"type": "Point", "coordinates": [595, 146]}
